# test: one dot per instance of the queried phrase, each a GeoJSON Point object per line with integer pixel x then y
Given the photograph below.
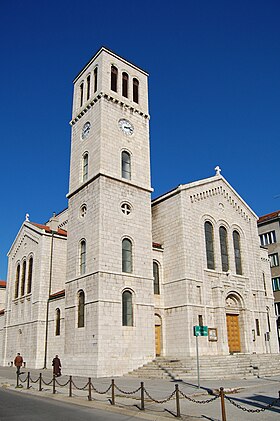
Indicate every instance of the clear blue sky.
{"type": "Point", "coordinates": [214, 95]}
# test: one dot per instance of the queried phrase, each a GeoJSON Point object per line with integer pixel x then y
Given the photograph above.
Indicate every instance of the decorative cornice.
{"type": "Point", "coordinates": [21, 240]}
{"type": "Point", "coordinates": [216, 191]}
{"type": "Point", "coordinates": [265, 259]}
{"type": "Point", "coordinates": [111, 98]}
{"type": "Point", "coordinates": [65, 222]}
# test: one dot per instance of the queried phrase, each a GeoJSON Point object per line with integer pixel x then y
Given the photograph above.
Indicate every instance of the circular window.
{"type": "Point", "coordinates": [83, 211]}
{"type": "Point", "coordinates": [126, 208]}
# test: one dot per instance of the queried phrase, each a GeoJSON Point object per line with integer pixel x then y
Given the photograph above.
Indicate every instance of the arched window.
{"type": "Point", "coordinates": [29, 278]}
{"type": "Point", "coordinates": [127, 311]}
{"type": "Point", "coordinates": [135, 90]}
{"type": "Point", "coordinates": [85, 167]}
{"type": "Point", "coordinates": [17, 281]}
{"type": "Point", "coordinates": [264, 284]}
{"type": "Point", "coordinates": [209, 241]}
{"type": "Point", "coordinates": [114, 78]}
{"type": "Point", "coordinates": [126, 255]}
{"type": "Point", "coordinates": [95, 79]}
{"type": "Point", "coordinates": [83, 253]}
{"type": "Point", "coordinates": [81, 309]}
{"type": "Point", "coordinates": [156, 277]}
{"type": "Point", "coordinates": [224, 248]}
{"type": "Point", "coordinates": [81, 93]}
{"type": "Point", "coordinates": [57, 322]}
{"type": "Point", "coordinates": [125, 84]}
{"type": "Point", "coordinates": [268, 319]}
{"type": "Point", "coordinates": [237, 252]}
{"type": "Point", "coordinates": [126, 165]}
{"type": "Point", "coordinates": [23, 273]}
{"type": "Point", "coordinates": [88, 87]}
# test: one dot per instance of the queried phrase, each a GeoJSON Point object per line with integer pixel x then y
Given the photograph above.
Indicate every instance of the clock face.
{"type": "Point", "coordinates": [126, 126]}
{"type": "Point", "coordinates": [86, 129]}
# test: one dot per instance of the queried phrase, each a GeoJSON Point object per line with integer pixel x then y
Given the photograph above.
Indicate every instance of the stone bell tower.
{"type": "Point", "coordinates": [109, 327]}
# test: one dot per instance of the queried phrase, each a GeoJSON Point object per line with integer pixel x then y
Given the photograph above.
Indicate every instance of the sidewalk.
{"type": "Point", "coordinates": [243, 392]}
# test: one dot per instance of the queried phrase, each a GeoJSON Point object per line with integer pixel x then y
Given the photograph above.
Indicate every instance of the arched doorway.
{"type": "Point", "coordinates": [158, 334]}
{"type": "Point", "coordinates": [233, 307]}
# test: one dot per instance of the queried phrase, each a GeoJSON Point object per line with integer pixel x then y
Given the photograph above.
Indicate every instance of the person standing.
{"type": "Point", "coordinates": [18, 362]}
{"type": "Point", "coordinates": [56, 366]}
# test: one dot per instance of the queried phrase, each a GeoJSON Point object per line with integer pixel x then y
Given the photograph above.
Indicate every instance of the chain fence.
{"type": "Point", "coordinates": [252, 411]}
{"type": "Point", "coordinates": [175, 395]}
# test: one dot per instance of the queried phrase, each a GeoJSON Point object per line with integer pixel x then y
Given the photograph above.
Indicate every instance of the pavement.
{"type": "Point", "coordinates": [245, 398]}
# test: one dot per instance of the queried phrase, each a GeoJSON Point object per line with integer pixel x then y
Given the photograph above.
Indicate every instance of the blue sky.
{"type": "Point", "coordinates": [214, 95]}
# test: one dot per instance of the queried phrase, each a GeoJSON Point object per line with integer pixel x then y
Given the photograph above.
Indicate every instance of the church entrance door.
{"type": "Point", "coordinates": [158, 334]}
{"type": "Point", "coordinates": [233, 333]}
{"type": "Point", "coordinates": [158, 339]}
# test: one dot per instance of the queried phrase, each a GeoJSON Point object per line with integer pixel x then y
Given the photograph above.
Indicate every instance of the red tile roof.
{"type": "Point", "coordinates": [269, 216]}
{"type": "Point", "coordinates": [157, 245]}
{"type": "Point", "coordinates": [47, 229]}
{"type": "Point", "coordinates": [3, 284]}
{"type": "Point", "coordinates": [58, 294]}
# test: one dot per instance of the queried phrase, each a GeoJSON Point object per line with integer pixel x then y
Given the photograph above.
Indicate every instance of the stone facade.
{"type": "Point", "coordinates": [133, 280]}
{"type": "Point", "coordinates": [191, 290]}
{"type": "Point", "coordinates": [26, 311]}
{"type": "Point", "coordinates": [269, 232]}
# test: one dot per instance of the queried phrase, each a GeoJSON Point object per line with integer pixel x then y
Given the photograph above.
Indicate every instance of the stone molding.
{"type": "Point", "coordinates": [220, 190]}
{"type": "Point", "coordinates": [110, 98]}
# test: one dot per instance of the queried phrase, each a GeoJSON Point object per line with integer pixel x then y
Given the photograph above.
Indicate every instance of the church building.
{"type": "Point", "coordinates": [117, 279]}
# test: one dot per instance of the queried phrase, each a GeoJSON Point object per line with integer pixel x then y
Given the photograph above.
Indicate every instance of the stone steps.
{"type": "Point", "coordinates": [211, 367]}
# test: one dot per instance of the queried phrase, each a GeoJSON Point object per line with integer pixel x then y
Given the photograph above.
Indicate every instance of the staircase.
{"type": "Point", "coordinates": [237, 366]}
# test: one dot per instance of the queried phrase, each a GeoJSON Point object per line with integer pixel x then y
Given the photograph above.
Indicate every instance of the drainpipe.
{"type": "Point", "coordinates": [48, 303]}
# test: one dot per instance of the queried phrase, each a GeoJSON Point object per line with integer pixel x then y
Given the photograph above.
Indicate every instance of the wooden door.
{"type": "Point", "coordinates": [158, 339]}
{"type": "Point", "coordinates": [233, 333]}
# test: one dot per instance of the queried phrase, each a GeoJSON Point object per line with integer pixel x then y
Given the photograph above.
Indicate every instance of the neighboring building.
{"type": "Point", "coordinates": [116, 278]}
{"type": "Point", "coordinates": [269, 232]}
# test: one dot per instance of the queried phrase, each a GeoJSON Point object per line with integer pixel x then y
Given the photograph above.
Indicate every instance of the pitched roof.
{"type": "Point", "coordinates": [269, 216]}
{"type": "Point", "coordinates": [47, 229]}
{"type": "Point", "coordinates": [3, 284]}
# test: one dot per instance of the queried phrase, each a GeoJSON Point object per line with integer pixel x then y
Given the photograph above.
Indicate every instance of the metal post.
{"type": "Point", "coordinates": [178, 415]}
{"type": "Point", "coordinates": [142, 397]}
{"type": "Point", "coordinates": [17, 379]}
{"type": "Point", "coordinates": [223, 408]}
{"type": "Point", "coordinates": [89, 389]}
{"type": "Point", "coordinates": [53, 384]}
{"type": "Point", "coordinates": [70, 386]}
{"type": "Point", "coordinates": [113, 392]}
{"type": "Point", "coordinates": [28, 380]}
{"type": "Point", "coordinates": [197, 363]}
{"type": "Point", "coordinates": [40, 382]}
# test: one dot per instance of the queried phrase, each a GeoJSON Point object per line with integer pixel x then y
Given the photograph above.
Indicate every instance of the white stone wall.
{"type": "Point", "coordinates": [56, 342]}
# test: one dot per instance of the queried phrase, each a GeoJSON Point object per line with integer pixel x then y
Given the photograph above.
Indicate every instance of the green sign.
{"type": "Point", "coordinates": [200, 330]}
